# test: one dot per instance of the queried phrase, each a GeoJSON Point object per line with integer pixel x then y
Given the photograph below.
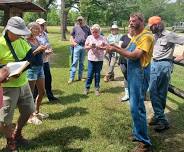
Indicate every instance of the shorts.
{"type": "Point", "coordinates": [20, 97]}
{"type": "Point", "coordinates": [35, 73]}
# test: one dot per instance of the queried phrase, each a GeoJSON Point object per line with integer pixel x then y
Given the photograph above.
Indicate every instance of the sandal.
{"type": "Point", "coordinates": [34, 120]}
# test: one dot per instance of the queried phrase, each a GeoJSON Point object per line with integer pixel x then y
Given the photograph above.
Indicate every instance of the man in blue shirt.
{"type": "Point", "coordinates": [79, 34]}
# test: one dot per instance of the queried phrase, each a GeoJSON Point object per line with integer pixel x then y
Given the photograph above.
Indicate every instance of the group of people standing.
{"type": "Point", "coordinates": [146, 61]}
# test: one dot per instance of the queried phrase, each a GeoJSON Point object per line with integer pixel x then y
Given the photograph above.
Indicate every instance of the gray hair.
{"type": "Point", "coordinates": [96, 27]}
{"type": "Point", "coordinates": [32, 25]}
{"type": "Point", "coordinates": [139, 15]}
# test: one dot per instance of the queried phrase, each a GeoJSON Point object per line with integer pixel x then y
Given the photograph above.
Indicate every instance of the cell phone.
{"type": "Point", "coordinates": [93, 45]}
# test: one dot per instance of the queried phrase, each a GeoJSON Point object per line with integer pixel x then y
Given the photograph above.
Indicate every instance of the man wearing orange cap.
{"type": "Point", "coordinates": [161, 68]}
{"type": "Point", "coordinates": [138, 52]}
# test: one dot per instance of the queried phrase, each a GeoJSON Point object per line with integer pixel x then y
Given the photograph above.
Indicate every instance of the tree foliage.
{"type": "Point", "coordinates": [104, 12]}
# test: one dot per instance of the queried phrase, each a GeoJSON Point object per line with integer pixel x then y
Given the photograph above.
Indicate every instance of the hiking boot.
{"type": "Point", "coordinates": [86, 91]}
{"type": "Point", "coordinates": [153, 122]}
{"type": "Point", "coordinates": [160, 127]}
{"type": "Point", "coordinates": [11, 145]}
{"type": "Point", "coordinates": [141, 147]}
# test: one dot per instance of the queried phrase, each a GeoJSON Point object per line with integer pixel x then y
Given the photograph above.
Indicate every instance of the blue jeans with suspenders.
{"type": "Point", "coordinates": [138, 82]}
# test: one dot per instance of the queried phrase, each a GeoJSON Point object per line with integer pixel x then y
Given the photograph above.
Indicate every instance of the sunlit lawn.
{"type": "Point", "coordinates": [80, 123]}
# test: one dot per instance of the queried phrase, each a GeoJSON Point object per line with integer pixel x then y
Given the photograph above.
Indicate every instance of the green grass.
{"type": "Point", "coordinates": [80, 123]}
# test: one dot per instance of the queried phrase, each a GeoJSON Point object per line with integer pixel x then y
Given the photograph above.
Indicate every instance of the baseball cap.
{"type": "Point", "coordinates": [114, 26]}
{"type": "Point", "coordinates": [17, 26]}
{"type": "Point", "coordinates": [80, 18]}
{"type": "Point", "coordinates": [154, 20]}
{"type": "Point", "coordinates": [40, 21]}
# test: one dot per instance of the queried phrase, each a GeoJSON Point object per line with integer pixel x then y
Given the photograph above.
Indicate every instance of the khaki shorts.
{"type": "Point", "coordinates": [20, 97]}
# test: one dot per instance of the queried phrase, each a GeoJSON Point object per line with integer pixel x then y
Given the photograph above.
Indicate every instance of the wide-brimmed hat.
{"type": "Point", "coordinates": [41, 21]}
{"type": "Point", "coordinates": [17, 26]}
{"type": "Point", "coordinates": [80, 18]}
{"type": "Point", "coordinates": [114, 26]}
{"type": "Point", "coordinates": [154, 20]}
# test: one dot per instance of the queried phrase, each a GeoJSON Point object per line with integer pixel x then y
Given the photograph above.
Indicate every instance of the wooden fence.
{"type": "Point", "coordinates": [175, 90]}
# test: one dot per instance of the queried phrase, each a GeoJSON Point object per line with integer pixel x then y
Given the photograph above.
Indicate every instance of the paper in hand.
{"type": "Point", "coordinates": [15, 68]}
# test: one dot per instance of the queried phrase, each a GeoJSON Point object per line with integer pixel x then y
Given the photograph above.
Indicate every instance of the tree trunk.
{"type": "Point", "coordinates": [65, 20]}
{"type": "Point", "coordinates": [63, 32]}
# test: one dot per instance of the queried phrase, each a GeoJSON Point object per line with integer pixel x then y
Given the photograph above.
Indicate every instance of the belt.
{"type": "Point", "coordinates": [170, 60]}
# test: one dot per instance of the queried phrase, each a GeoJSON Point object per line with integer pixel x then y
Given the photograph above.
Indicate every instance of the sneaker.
{"type": "Point", "coordinates": [125, 98]}
{"type": "Point", "coordinates": [160, 127]}
{"type": "Point", "coordinates": [34, 120]}
{"type": "Point", "coordinates": [86, 91]}
{"type": "Point", "coordinates": [141, 147]}
{"type": "Point", "coordinates": [11, 145]}
{"type": "Point", "coordinates": [42, 116]}
{"type": "Point", "coordinates": [81, 79]}
{"type": "Point", "coordinates": [70, 81]}
{"type": "Point", "coordinates": [97, 93]}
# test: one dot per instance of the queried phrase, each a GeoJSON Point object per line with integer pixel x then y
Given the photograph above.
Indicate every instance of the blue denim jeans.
{"type": "Point", "coordinates": [138, 81]}
{"type": "Point", "coordinates": [35, 73]}
{"type": "Point", "coordinates": [78, 56]}
{"type": "Point", "coordinates": [159, 82]}
{"type": "Point", "coordinates": [94, 68]}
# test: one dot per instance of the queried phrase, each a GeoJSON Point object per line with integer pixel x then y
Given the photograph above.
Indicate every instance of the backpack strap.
{"type": "Point", "coordinates": [8, 42]}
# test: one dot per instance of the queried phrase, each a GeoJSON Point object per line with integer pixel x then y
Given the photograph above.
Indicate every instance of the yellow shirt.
{"type": "Point", "coordinates": [21, 47]}
{"type": "Point", "coordinates": [145, 42]}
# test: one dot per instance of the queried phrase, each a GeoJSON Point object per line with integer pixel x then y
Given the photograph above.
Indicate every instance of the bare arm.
{"type": "Point", "coordinates": [39, 49]}
{"type": "Point", "coordinates": [179, 57]}
{"type": "Point", "coordinates": [137, 53]}
{"type": "Point", "coordinates": [72, 41]}
{"type": "Point", "coordinates": [88, 46]}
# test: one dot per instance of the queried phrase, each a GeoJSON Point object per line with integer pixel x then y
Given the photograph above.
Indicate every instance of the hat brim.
{"type": "Point", "coordinates": [80, 18]}
{"type": "Point", "coordinates": [43, 22]}
{"type": "Point", "coordinates": [22, 32]}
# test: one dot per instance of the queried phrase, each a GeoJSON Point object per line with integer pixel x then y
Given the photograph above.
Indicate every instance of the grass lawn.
{"type": "Point", "coordinates": [80, 123]}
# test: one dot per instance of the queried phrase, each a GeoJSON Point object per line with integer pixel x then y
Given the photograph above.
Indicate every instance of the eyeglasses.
{"type": "Point", "coordinates": [95, 32]}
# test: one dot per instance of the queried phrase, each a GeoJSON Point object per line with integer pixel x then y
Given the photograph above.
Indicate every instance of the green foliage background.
{"type": "Point", "coordinates": [105, 12]}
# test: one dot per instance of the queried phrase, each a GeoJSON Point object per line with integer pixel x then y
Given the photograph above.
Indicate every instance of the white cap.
{"type": "Point", "coordinates": [114, 26]}
{"type": "Point", "coordinates": [40, 21]}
